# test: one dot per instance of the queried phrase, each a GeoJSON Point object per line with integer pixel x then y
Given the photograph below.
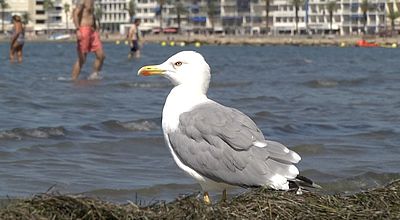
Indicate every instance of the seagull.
{"type": "Point", "coordinates": [220, 147]}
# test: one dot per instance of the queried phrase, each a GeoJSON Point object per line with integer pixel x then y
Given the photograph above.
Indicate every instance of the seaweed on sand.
{"type": "Point", "coordinates": [380, 203]}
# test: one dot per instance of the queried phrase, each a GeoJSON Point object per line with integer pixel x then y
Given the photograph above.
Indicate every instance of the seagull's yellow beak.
{"type": "Point", "coordinates": [150, 70]}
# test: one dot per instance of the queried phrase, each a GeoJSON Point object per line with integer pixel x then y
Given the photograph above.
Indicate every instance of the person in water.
{"type": "Point", "coordinates": [88, 39]}
{"type": "Point", "coordinates": [17, 39]}
{"type": "Point", "coordinates": [134, 38]}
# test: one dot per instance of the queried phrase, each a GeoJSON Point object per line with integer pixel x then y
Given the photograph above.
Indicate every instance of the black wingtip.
{"type": "Point", "coordinates": [302, 181]}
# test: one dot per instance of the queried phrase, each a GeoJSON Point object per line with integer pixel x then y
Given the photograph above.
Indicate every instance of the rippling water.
{"type": "Point", "coordinates": [337, 107]}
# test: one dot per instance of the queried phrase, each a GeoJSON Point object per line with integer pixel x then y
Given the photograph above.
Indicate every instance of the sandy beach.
{"type": "Point", "coordinates": [316, 40]}
{"type": "Point", "coordinates": [271, 40]}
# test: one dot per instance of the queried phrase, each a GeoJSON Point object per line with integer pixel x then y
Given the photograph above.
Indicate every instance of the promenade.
{"type": "Point", "coordinates": [315, 40]}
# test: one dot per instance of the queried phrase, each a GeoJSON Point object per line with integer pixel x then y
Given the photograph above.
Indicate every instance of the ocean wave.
{"type": "Point", "coordinates": [257, 99]}
{"type": "Point", "coordinates": [142, 85]}
{"type": "Point", "coordinates": [377, 134]}
{"type": "Point", "coordinates": [230, 84]}
{"type": "Point", "coordinates": [331, 83]}
{"type": "Point", "coordinates": [264, 114]}
{"type": "Point", "coordinates": [321, 83]}
{"type": "Point", "coordinates": [364, 181]}
{"type": "Point", "coordinates": [138, 125]}
{"type": "Point", "coordinates": [41, 132]}
{"type": "Point", "coordinates": [309, 149]}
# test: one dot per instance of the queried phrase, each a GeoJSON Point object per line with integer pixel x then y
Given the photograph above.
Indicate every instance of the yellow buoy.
{"type": "Point", "coordinates": [172, 43]}
{"type": "Point", "coordinates": [343, 44]}
{"type": "Point", "coordinates": [182, 44]}
{"type": "Point", "coordinates": [126, 42]}
{"type": "Point", "coordinates": [197, 44]}
{"type": "Point", "coordinates": [394, 45]}
{"type": "Point", "coordinates": [163, 43]}
{"type": "Point", "coordinates": [117, 42]}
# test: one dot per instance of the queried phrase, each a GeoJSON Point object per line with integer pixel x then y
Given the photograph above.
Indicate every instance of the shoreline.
{"type": "Point", "coordinates": [378, 203]}
{"type": "Point", "coordinates": [317, 40]}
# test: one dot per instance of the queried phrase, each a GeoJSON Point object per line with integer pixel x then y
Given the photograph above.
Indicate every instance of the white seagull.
{"type": "Point", "coordinates": [217, 145]}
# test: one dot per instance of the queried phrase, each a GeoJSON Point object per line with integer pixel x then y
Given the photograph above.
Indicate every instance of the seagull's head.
{"type": "Point", "coordinates": [184, 68]}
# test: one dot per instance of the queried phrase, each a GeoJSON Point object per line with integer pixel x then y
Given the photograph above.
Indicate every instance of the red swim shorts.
{"type": "Point", "coordinates": [89, 40]}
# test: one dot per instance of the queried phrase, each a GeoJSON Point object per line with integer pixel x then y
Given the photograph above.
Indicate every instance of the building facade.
{"type": "Point", "coordinates": [113, 13]}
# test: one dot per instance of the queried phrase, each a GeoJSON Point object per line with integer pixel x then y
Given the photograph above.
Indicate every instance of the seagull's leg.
{"type": "Point", "coordinates": [223, 198]}
{"type": "Point", "coordinates": [206, 198]}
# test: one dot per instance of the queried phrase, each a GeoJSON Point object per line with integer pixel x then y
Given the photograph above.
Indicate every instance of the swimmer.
{"type": "Point", "coordinates": [134, 38]}
{"type": "Point", "coordinates": [17, 39]}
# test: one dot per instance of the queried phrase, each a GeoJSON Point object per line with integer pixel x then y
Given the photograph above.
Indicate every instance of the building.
{"type": "Point", "coordinates": [37, 18]}
{"type": "Point", "coordinates": [114, 14]}
{"type": "Point", "coordinates": [146, 11]}
{"type": "Point", "coordinates": [15, 7]}
{"type": "Point", "coordinates": [53, 19]}
{"type": "Point", "coordinates": [217, 16]}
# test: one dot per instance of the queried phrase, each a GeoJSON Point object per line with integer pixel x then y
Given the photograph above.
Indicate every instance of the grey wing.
{"type": "Point", "coordinates": [225, 145]}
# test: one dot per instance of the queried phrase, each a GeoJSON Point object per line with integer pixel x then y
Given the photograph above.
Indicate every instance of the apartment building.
{"type": "Point", "coordinates": [51, 19]}
{"type": "Point", "coordinates": [146, 10]}
{"type": "Point", "coordinates": [19, 7]}
{"type": "Point", "coordinates": [114, 14]}
{"type": "Point", "coordinates": [38, 19]}
{"type": "Point", "coordinates": [192, 14]}
{"type": "Point", "coordinates": [223, 16]}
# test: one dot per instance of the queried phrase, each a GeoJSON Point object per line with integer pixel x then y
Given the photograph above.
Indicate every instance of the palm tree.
{"type": "Point", "coordinates": [3, 5]}
{"type": "Point", "coordinates": [26, 17]}
{"type": "Point", "coordinates": [393, 15]}
{"type": "Point", "coordinates": [297, 4]}
{"type": "Point", "coordinates": [331, 7]}
{"type": "Point", "coordinates": [267, 10]}
{"type": "Point", "coordinates": [161, 3]}
{"type": "Point", "coordinates": [131, 9]}
{"type": "Point", "coordinates": [66, 11]}
{"type": "Point", "coordinates": [211, 12]}
{"type": "Point", "coordinates": [365, 7]}
{"type": "Point", "coordinates": [180, 9]}
{"type": "Point", "coordinates": [48, 5]}
{"type": "Point", "coordinates": [98, 13]}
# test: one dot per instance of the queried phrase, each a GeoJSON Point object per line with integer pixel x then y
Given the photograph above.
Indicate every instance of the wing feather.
{"type": "Point", "coordinates": [218, 142]}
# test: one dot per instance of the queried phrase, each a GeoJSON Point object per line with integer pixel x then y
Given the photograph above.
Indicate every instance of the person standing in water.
{"type": "Point", "coordinates": [134, 38]}
{"type": "Point", "coordinates": [88, 39]}
{"type": "Point", "coordinates": [17, 39]}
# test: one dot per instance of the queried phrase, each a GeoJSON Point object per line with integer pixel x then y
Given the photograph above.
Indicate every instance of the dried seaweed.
{"type": "Point", "coordinates": [380, 203]}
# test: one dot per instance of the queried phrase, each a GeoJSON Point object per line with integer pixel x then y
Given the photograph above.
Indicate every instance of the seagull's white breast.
{"type": "Point", "coordinates": [181, 99]}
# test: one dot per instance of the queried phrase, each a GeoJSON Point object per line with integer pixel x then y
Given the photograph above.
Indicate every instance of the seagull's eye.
{"type": "Point", "coordinates": [179, 63]}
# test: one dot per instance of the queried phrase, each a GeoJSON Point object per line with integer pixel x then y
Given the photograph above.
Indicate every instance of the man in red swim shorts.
{"type": "Point", "coordinates": [88, 39]}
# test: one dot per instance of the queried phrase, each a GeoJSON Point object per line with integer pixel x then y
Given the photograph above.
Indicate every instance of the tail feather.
{"type": "Point", "coordinates": [302, 181]}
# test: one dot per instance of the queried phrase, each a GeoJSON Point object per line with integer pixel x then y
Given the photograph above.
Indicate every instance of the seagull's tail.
{"type": "Point", "coordinates": [302, 181]}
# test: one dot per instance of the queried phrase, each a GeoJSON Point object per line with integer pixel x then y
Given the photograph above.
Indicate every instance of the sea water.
{"type": "Point", "coordinates": [339, 108]}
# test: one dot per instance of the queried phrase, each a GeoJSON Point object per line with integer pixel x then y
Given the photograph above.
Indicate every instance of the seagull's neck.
{"type": "Point", "coordinates": [182, 98]}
